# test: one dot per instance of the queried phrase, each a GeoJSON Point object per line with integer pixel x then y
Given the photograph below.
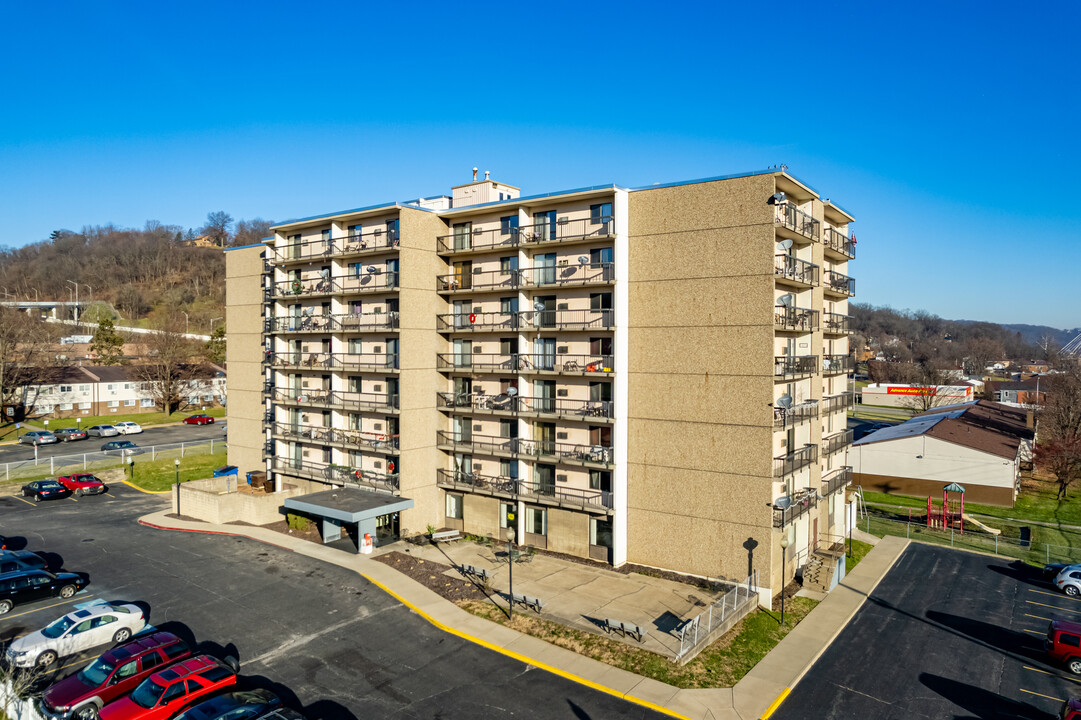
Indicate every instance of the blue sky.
{"type": "Point", "coordinates": [948, 130]}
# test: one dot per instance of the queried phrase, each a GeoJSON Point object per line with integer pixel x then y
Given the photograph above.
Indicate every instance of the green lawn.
{"type": "Point", "coordinates": [1036, 501]}
{"type": "Point", "coordinates": [859, 550]}
{"type": "Point", "coordinates": [9, 432]}
{"type": "Point", "coordinates": [154, 475]}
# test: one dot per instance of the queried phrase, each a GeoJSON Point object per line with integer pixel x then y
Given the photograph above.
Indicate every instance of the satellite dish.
{"type": "Point", "coordinates": [582, 260]}
{"type": "Point", "coordinates": [372, 269]}
{"type": "Point", "coordinates": [784, 245]}
{"type": "Point", "coordinates": [538, 306]}
{"type": "Point", "coordinates": [782, 503]}
{"type": "Point", "coordinates": [786, 299]}
{"type": "Point", "coordinates": [785, 401]}
{"type": "Point", "coordinates": [512, 391]}
{"type": "Point", "coordinates": [776, 198]}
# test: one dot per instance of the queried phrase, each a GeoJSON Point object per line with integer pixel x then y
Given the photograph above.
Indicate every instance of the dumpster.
{"type": "Point", "coordinates": [226, 470]}
{"type": "Point", "coordinates": [257, 479]}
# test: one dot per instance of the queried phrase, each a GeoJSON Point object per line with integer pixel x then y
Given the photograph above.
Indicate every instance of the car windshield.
{"type": "Point", "coordinates": [96, 673]}
{"type": "Point", "coordinates": [58, 628]}
{"type": "Point", "coordinates": [147, 694]}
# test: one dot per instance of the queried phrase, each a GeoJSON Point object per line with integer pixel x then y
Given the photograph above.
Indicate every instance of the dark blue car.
{"type": "Point", "coordinates": [45, 490]}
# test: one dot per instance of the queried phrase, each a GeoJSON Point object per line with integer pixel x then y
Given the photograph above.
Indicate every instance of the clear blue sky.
{"type": "Point", "coordinates": [950, 131]}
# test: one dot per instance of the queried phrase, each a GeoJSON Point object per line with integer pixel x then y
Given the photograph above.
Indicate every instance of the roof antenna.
{"type": "Point", "coordinates": [486, 174]}
{"type": "Point", "coordinates": [474, 173]}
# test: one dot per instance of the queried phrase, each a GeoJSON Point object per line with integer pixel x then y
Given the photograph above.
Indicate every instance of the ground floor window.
{"type": "Point", "coordinates": [147, 402]}
{"type": "Point", "coordinates": [84, 406]}
{"type": "Point", "coordinates": [455, 506]}
{"type": "Point", "coordinates": [114, 403]}
{"type": "Point", "coordinates": [66, 406]}
{"type": "Point", "coordinates": [506, 515]}
{"type": "Point", "coordinates": [536, 521]}
{"type": "Point", "coordinates": [600, 532]}
{"type": "Point", "coordinates": [129, 403]}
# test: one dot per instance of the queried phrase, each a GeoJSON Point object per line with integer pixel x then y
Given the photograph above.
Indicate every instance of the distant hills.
{"type": "Point", "coordinates": [1033, 334]}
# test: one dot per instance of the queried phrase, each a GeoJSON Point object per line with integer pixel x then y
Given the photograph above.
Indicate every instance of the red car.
{"type": "Point", "coordinates": [168, 691]}
{"type": "Point", "coordinates": [1063, 644]}
{"type": "Point", "coordinates": [1071, 710]}
{"type": "Point", "coordinates": [119, 671]}
{"type": "Point", "coordinates": [199, 420]}
{"type": "Point", "coordinates": [83, 484]}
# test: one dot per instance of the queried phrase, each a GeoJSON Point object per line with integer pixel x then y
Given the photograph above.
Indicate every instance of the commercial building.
{"type": "Point", "coordinates": [656, 376]}
{"type": "Point", "coordinates": [905, 396]}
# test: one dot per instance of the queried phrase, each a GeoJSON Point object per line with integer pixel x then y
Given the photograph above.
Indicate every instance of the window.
{"type": "Point", "coordinates": [600, 214]}
{"type": "Point", "coordinates": [600, 532]}
{"type": "Point", "coordinates": [114, 403]}
{"type": "Point", "coordinates": [127, 386]}
{"type": "Point", "coordinates": [1071, 640]}
{"type": "Point", "coordinates": [600, 480]}
{"type": "Point", "coordinates": [208, 398]}
{"type": "Point", "coordinates": [454, 506]}
{"type": "Point", "coordinates": [129, 403]}
{"type": "Point", "coordinates": [111, 386]}
{"type": "Point", "coordinates": [84, 388]}
{"type": "Point", "coordinates": [508, 225]}
{"type": "Point", "coordinates": [193, 400]}
{"type": "Point", "coordinates": [600, 301]}
{"type": "Point", "coordinates": [66, 406]}
{"type": "Point", "coordinates": [506, 512]}
{"type": "Point", "coordinates": [536, 521]}
{"type": "Point", "coordinates": [127, 670]}
{"type": "Point", "coordinates": [326, 235]}
{"type": "Point", "coordinates": [84, 406]}
{"type": "Point", "coordinates": [354, 231]}
{"type": "Point", "coordinates": [146, 402]}
{"type": "Point", "coordinates": [65, 388]}
{"type": "Point", "coordinates": [174, 651]}
{"type": "Point", "coordinates": [508, 264]}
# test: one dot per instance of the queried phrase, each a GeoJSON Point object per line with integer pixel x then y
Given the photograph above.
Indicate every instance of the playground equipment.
{"type": "Point", "coordinates": [947, 517]}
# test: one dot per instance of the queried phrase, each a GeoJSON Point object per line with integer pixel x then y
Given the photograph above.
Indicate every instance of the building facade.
{"type": "Point", "coordinates": [97, 390]}
{"type": "Point", "coordinates": [657, 376]}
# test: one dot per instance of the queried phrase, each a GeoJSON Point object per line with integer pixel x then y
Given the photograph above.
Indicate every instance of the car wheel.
{"type": "Point", "coordinates": [5, 607]}
{"type": "Point", "coordinates": [1071, 590]}
{"type": "Point", "coordinates": [232, 663]}
{"type": "Point", "coordinates": [121, 635]}
{"type": "Point", "coordinates": [67, 591]}
{"type": "Point", "coordinates": [46, 659]}
{"type": "Point", "coordinates": [37, 498]}
{"type": "Point", "coordinates": [86, 712]}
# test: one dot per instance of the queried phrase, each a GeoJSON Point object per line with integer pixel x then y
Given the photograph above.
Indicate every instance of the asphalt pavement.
{"type": "Point", "coordinates": [153, 435]}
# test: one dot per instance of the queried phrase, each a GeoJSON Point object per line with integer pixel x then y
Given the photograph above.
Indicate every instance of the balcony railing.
{"type": "Point", "coordinates": [526, 362]}
{"type": "Point", "coordinates": [788, 216]}
{"type": "Point", "coordinates": [793, 461]}
{"type": "Point", "coordinates": [560, 231]}
{"type": "Point", "coordinates": [336, 474]}
{"type": "Point", "coordinates": [367, 282]}
{"type": "Point", "coordinates": [568, 319]}
{"type": "Point", "coordinates": [476, 322]}
{"type": "Point", "coordinates": [343, 361]}
{"type": "Point", "coordinates": [837, 481]}
{"type": "Point", "coordinates": [835, 403]}
{"type": "Point", "coordinates": [551, 450]}
{"type": "Point", "coordinates": [788, 366]}
{"type": "Point", "coordinates": [798, 271]}
{"type": "Point", "coordinates": [836, 443]}
{"type": "Point", "coordinates": [839, 243]}
{"type": "Point", "coordinates": [836, 364]}
{"type": "Point", "coordinates": [354, 322]}
{"type": "Point", "coordinates": [366, 242]}
{"type": "Point", "coordinates": [797, 319]}
{"type": "Point", "coordinates": [536, 277]}
{"type": "Point", "coordinates": [507, 487]}
{"type": "Point", "coordinates": [794, 415]}
{"type": "Point", "coordinates": [544, 406]}
{"type": "Point", "coordinates": [840, 284]}
{"type": "Point", "coordinates": [306, 288]}
{"type": "Point", "coordinates": [803, 501]}
{"type": "Point", "coordinates": [379, 402]}
{"type": "Point", "coordinates": [837, 324]}
{"type": "Point", "coordinates": [337, 436]}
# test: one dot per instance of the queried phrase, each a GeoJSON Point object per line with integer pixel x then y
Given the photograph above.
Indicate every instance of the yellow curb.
{"type": "Point", "coordinates": [525, 659]}
{"type": "Point", "coordinates": [148, 492]}
{"type": "Point", "coordinates": [775, 704]}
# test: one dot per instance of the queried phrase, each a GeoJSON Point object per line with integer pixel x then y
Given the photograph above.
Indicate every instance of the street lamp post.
{"type": "Point", "coordinates": [510, 566]}
{"type": "Point", "coordinates": [784, 566]}
{"type": "Point", "coordinates": [131, 464]}
{"type": "Point", "coordinates": [176, 464]}
{"type": "Point", "coordinates": [71, 282]}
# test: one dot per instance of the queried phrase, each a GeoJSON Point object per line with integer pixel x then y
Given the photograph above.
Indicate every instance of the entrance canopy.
{"type": "Point", "coordinates": [348, 505]}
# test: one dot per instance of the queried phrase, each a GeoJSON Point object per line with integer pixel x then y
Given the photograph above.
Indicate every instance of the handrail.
{"type": "Point", "coordinates": [840, 479]}
{"type": "Point", "coordinates": [514, 487]}
{"type": "Point", "coordinates": [837, 241]}
{"type": "Point", "coordinates": [568, 319]}
{"type": "Point", "coordinates": [838, 324]}
{"type": "Point", "coordinates": [795, 318]}
{"type": "Point", "coordinates": [839, 283]}
{"type": "Point", "coordinates": [837, 442]}
{"type": "Point", "coordinates": [338, 436]}
{"type": "Point", "coordinates": [794, 269]}
{"type": "Point", "coordinates": [789, 216]}
{"type": "Point", "coordinates": [783, 417]}
{"type": "Point", "coordinates": [837, 402]}
{"type": "Point", "coordinates": [601, 454]}
{"type": "Point", "coordinates": [344, 361]}
{"type": "Point", "coordinates": [525, 362]}
{"type": "Point", "coordinates": [836, 364]}
{"type": "Point", "coordinates": [546, 276]}
{"type": "Point", "coordinates": [337, 473]}
{"type": "Point", "coordinates": [788, 365]}
{"type": "Point", "coordinates": [561, 407]}
{"type": "Point", "coordinates": [483, 239]}
{"type": "Point", "coordinates": [346, 400]}
{"type": "Point", "coordinates": [787, 464]}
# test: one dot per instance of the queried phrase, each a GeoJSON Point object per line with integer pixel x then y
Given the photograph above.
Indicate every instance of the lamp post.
{"type": "Point", "coordinates": [185, 322]}
{"type": "Point", "coordinates": [70, 282]}
{"type": "Point", "coordinates": [131, 465]}
{"type": "Point", "coordinates": [510, 559]}
{"type": "Point", "coordinates": [176, 464]}
{"type": "Point", "coordinates": [784, 565]}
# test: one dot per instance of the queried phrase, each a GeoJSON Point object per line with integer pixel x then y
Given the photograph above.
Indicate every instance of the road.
{"type": "Point", "coordinates": [150, 436]}
{"type": "Point", "coordinates": [327, 641]}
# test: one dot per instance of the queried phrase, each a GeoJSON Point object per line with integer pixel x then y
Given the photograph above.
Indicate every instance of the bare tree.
{"type": "Point", "coordinates": [250, 232]}
{"type": "Point", "coordinates": [1058, 436]}
{"type": "Point", "coordinates": [217, 226]}
{"type": "Point", "coordinates": [981, 351]}
{"type": "Point", "coordinates": [1049, 350]}
{"type": "Point", "coordinates": [27, 358]}
{"type": "Point", "coordinates": [927, 394]}
{"type": "Point", "coordinates": [168, 368]}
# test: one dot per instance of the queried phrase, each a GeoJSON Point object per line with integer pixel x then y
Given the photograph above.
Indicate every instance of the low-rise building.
{"type": "Point", "coordinates": [93, 390]}
{"type": "Point", "coordinates": [901, 395]}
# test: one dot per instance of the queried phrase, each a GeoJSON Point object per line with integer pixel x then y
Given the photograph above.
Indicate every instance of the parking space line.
{"type": "Point", "coordinates": [1035, 632]}
{"type": "Point", "coordinates": [1058, 700]}
{"type": "Point", "coordinates": [1038, 617]}
{"type": "Point", "coordinates": [1054, 675]}
{"type": "Point", "coordinates": [1055, 594]}
{"type": "Point", "coordinates": [1054, 607]}
{"type": "Point", "coordinates": [1027, 667]}
{"type": "Point", "coordinates": [73, 598]}
{"type": "Point", "coordinates": [17, 497]}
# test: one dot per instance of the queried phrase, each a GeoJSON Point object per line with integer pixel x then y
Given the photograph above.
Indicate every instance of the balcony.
{"type": "Point", "coordinates": [367, 282]}
{"type": "Point", "coordinates": [348, 439]}
{"type": "Point", "coordinates": [525, 362]}
{"type": "Point", "coordinates": [787, 367]}
{"type": "Point", "coordinates": [594, 320]}
{"type": "Point", "coordinates": [838, 324]}
{"type": "Point", "coordinates": [839, 244]}
{"type": "Point", "coordinates": [312, 287]}
{"type": "Point", "coordinates": [567, 453]}
{"type": "Point", "coordinates": [794, 319]}
{"type": "Point", "coordinates": [554, 276]}
{"type": "Point", "coordinates": [793, 271]}
{"type": "Point", "coordinates": [836, 364]}
{"type": "Point", "coordinates": [511, 488]}
{"type": "Point", "coordinates": [336, 474]}
{"type": "Point", "coordinates": [307, 251]}
{"type": "Point", "coordinates": [477, 322]}
{"type": "Point", "coordinates": [323, 399]}
{"type": "Point", "coordinates": [376, 362]}
{"type": "Point", "coordinates": [837, 481]}
{"type": "Point", "coordinates": [837, 442]}
{"type": "Point", "coordinates": [836, 403]}
{"type": "Point", "coordinates": [794, 415]}
{"type": "Point", "coordinates": [543, 233]}
{"type": "Point", "coordinates": [366, 243]}
{"type": "Point", "coordinates": [838, 284]}
{"type": "Point", "coordinates": [324, 324]}
{"type": "Point", "coordinates": [803, 501]}
{"type": "Point", "coordinates": [503, 404]}
{"type": "Point", "coordinates": [784, 465]}
{"type": "Point", "coordinates": [787, 216]}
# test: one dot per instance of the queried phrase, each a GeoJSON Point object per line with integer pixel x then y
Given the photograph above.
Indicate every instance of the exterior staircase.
{"type": "Point", "coordinates": [825, 568]}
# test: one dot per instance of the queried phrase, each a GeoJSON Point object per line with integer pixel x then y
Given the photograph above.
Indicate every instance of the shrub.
{"type": "Point", "coordinates": [298, 522]}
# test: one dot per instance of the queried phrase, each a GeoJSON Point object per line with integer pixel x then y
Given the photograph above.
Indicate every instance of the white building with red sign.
{"type": "Point", "coordinates": [899, 395]}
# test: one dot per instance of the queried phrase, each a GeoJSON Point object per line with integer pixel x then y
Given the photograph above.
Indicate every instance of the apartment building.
{"type": "Point", "coordinates": [92, 390]}
{"type": "Point", "coordinates": [657, 376]}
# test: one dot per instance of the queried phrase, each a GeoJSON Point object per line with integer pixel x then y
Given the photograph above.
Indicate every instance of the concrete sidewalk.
{"type": "Point", "coordinates": [755, 696]}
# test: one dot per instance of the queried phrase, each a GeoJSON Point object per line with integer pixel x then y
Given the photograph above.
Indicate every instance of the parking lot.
{"type": "Point", "coordinates": [946, 634]}
{"type": "Point", "coordinates": [328, 642]}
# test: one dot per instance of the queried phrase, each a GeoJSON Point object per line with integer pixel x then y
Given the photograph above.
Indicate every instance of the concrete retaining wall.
{"type": "Point", "coordinates": [216, 500]}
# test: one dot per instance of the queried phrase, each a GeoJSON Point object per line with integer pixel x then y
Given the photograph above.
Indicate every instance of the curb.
{"type": "Point", "coordinates": [211, 532]}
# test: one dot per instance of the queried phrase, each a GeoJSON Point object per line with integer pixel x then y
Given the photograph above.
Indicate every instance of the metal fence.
{"type": "Point", "coordinates": [60, 464]}
{"type": "Point", "coordinates": [729, 608]}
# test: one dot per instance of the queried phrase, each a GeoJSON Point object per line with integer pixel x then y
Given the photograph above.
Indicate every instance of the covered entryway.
{"type": "Point", "coordinates": [347, 514]}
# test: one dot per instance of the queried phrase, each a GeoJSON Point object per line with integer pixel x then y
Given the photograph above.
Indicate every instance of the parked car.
{"type": "Point", "coordinates": [128, 428]}
{"type": "Point", "coordinates": [30, 585]}
{"type": "Point", "coordinates": [102, 431]}
{"type": "Point", "coordinates": [45, 490]}
{"type": "Point", "coordinates": [199, 420]}
{"type": "Point", "coordinates": [75, 632]}
{"type": "Point", "coordinates": [1063, 644]}
{"type": "Point", "coordinates": [121, 447]}
{"type": "Point", "coordinates": [18, 560]}
{"type": "Point", "coordinates": [83, 483]}
{"type": "Point", "coordinates": [1071, 710]}
{"type": "Point", "coordinates": [1069, 580]}
{"type": "Point", "coordinates": [115, 673]}
{"type": "Point", "coordinates": [169, 691]}
{"type": "Point", "coordinates": [238, 705]}
{"type": "Point", "coordinates": [1051, 570]}
{"type": "Point", "coordinates": [69, 434]}
{"type": "Point", "coordinates": [38, 437]}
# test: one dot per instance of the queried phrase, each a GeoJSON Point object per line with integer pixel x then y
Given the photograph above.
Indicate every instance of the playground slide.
{"type": "Point", "coordinates": [980, 525]}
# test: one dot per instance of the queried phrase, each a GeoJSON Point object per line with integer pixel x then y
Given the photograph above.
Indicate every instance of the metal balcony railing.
{"type": "Point", "coordinates": [837, 481]}
{"type": "Point", "coordinates": [568, 319]}
{"type": "Point", "coordinates": [839, 243]}
{"type": "Point", "coordinates": [366, 242]}
{"type": "Point", "coordinates": [351, 322]}
{"type": "Point", "coordinates": [837, 324]}
{"type": "Point", "coordinates": [797, 319]}
{"type": "Point", "coordinates": [836, 364]}
{"type": "Point", "coordinates": [550, 450]}
{"type": "Point", "coordinates": [788, 216]}
{"type": "Point", "coordinates": [837, 442]}
{"type": "Point", "coordinates": [508, 487]}
{"type": "Point", "coordinates": [787, 464]}
{"type": "Point", "coordinates": [367, 282]}
{"type": "Point", "coordinates": [345, 474]}
{"type": "Point", "coordinates": [473, 322]}
{"type": "Point", "coordinates": [337, 436]}
{"type": "Point", "coordinates": [803, 501]}
{"type": "Point", "coordinates": [787, 366]}
{"type": "Point", "coordinates": [535, 277]}
{"type": "Point", "coordinates": [835, 403]}
{"type": "Point", "coordinates": [342, 361]}
{"type": "Point", "coordinates": [380, 402]}
{"type": "Point", "coordinates": [791, 268]}
{"type": "Point", "coordinates": [794, 415]}
{"type": "Point", "coordinates": [559, 231]}
{"type": "Point", "coordinates": [526, 362]}
{"type": "Point", "coordinates": [840, 284]}
{"type": "Point", "coordinates": [311, 287]}
{"type": "Point", "coordinates": [544, 406]}
{"type": "Point", "coordinates": [299, 251]}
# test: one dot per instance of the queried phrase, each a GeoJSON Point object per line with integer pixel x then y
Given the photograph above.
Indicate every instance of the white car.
{"type": "Point", "coordinates": [128, 428]}
{"type": "Point", "coordinates": [1068, 580]}
{"type": "Point", "coordinates": [77, 631]}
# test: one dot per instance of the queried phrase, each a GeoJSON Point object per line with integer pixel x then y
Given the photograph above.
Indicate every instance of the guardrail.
{"type": "Point", "coordinates": [730, 608]}
{"type": "Point", "coordinates": [100, 460]}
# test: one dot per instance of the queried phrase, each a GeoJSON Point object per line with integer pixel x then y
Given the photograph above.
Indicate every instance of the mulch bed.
{"type": "Point", "coordinates": [282, 526]}
{"type": "Point", "coordinates": [430, 575]}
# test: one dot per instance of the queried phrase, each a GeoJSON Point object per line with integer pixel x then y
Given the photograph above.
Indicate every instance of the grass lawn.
{"type": "Point", "coordinates": [9, 432]}
{"type": "Point", "coordinates": [722, 664]}
{"type": "Point", "coordinates": [859, 549]}
{"type": "Point", "coordinates": [153, 475]}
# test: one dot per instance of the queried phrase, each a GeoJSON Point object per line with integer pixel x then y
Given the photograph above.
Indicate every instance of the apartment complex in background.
{"type": "Point", "coordinates": [657, 376]}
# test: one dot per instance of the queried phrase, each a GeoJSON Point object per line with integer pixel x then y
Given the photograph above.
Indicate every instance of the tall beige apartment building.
{"type": "Point", "coordinates": [656, 376]}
